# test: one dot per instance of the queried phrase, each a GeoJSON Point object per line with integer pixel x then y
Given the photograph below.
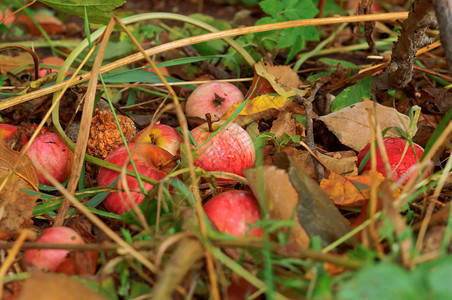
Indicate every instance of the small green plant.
{"type": "Point", "coordinates": [279, 142]}
{"type": "Point", "coordinates": [293, 38]}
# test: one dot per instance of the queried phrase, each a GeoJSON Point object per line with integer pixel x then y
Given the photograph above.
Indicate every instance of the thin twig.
{"type": "Point", "coordinates": [307, 104]}
{"type": "Point", "coordinates": [32, 53]}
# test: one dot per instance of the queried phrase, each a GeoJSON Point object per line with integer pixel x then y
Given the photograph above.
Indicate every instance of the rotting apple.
{"type": "Point", "coordinates": [399, 162]}
{"type": "Point", "coordinates": [150, 160]}
{"type": "Point", "coordinates": [213, 97]}
{"type": "Point", "coordinates": [50, 152]}
{"type": "Point", "coordinates": [231, 150]}
{"type": "Point", "coordinates": [50, 259]}
{"type": "Point", "coordinates": [161, 135]}
{"type": "Point", "coordinates": [233, 211]}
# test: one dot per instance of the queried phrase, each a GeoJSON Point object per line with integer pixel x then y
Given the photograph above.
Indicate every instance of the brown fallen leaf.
{"type": "Point", "coordinates": [10, 63]}
{"type": "Point", "coordinates": [274, 79]}
{"type": "Point", "coordinates": [50, 286]}
{"type": "Point", "coordinates": [315, 211]}
{"type": "Point", "coordinates": [341, 162]}
{"type": "Point", "coordinates": [285, 123]}
{"type": "Point", "coordinates": [349, 190]}
{"type": "Point", "coordinates": [16, 206]}
{"type": "Point", "coordinates": [303, 160]}
{"type": "Point", "coordinates": [351, 124]}
{"type": "Point", "coordinates": [282, 201]}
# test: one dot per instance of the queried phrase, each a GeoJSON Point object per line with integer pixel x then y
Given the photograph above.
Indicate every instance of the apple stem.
{"type": "Point", "coordinates": [151, 136]}
{"type": "Point", "coordinates": [209, 122]}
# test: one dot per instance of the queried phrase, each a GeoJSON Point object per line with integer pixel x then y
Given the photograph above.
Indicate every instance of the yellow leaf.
{"type": "Point", "coordinates": [256, 105]}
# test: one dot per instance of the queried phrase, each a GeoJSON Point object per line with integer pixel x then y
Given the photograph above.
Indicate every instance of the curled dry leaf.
{"type": "Point", "coordinates": [352, 127]}
{"type": "Point", "coordinates": [341, 162]}
{"type": "Point", "coordinates": [16, 206]}
{"type": "Point", "coordinates": [45, 286]}
{"type": "Point", "coordinates": [274, 79]}
{"type": "Point", "coordinates": [282, 199]}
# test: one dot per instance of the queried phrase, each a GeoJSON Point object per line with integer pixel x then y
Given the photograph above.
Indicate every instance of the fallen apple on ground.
{"type": "Point", "coordinates": [399, 162]}
{"type": "Point", "coordinates": [161, 135]}
{"type": "Point", "coordinates": [233, 212]}
{"type": "Point", "coordinates": [51, 60]}
{"type": "Point", "coordinates": [150, 161]}
{"type": "Point", "coordinates": [50, 152]}
{"type": "Point", "coordinates": [231, 150]}
{"type": "Point", "coordinates": [50, 259]}
{"type": "Point", "coordinates": [212, 97]}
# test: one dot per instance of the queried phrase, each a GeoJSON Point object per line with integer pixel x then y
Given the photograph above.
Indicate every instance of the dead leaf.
{"type": "Point", "coordinates": [274, 79]}
{"type": "Point", "coordinates": [282, 79]}
{"type": "Point", "coordinates": [50, 286]}
{"type": "Point", "coordinates": [341, 162]}
{"type": "Point", "coordinates": [285, 123]}
{"type": "Point", "coordinates": [315, 211]}
{"type": "Point", "coordinates": [49, 23]}
{"type": "Point", "coordinates": [282, 200]}
{"type": "Point", "coordinates": [349, 190]}
{"type": "Point", "coordinates": [351, 124]}
{"type": "Point", "coordinates": [255, 106]}
{"type": "Point", "coordinates": [10, 63]}
{"type": "Point", "coordinates": [303, 160]}
{"type": "Point", "coordinates": [16, 207]}
{"type": "Point", "coordinates": [79, 263]}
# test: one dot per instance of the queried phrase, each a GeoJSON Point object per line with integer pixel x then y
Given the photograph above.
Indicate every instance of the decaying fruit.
{"type": "Point", "coordinates": [105, 136]}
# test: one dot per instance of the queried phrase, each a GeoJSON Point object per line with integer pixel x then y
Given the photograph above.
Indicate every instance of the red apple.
{"type": "Point", "coordinates": [161, 135]}
{"type": "Point", "coordinates": [231, 150]}
{"type": "Point", "coordinates": [50, 259]}
{"type": "Point", "coordinates": [212, 97]}
{"type": "Point", "coordinates": [150, 160]}
{"type": "Point", "coordinates": [50, 152]}
{"type": "Point", "coordinates": [233, 211]}
{"type": "Point", "coordinates": [399, 163]}
{"type": "Point", "coordinates": [53, 61]}
{"type": "Point", "coordinates": [7, 13]}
